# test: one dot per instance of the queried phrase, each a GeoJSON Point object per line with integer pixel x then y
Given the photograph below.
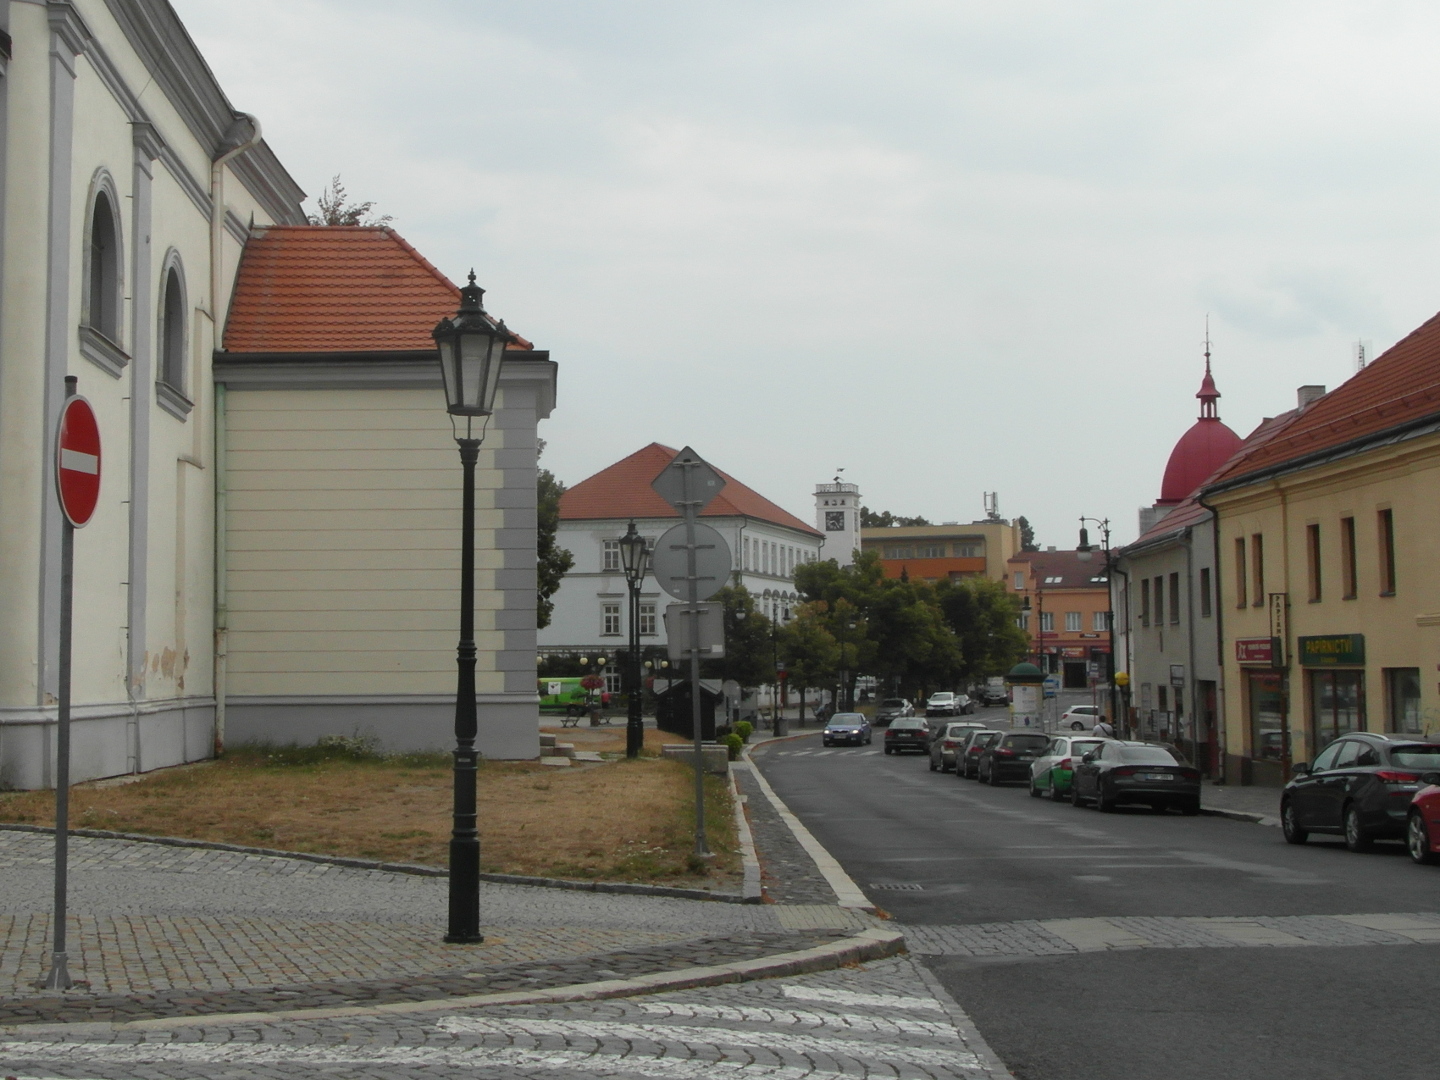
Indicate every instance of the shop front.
{"type": "Point", "coordinates": [1334, 666]}
{"type": "Point", "coordinates": [1266, 757]}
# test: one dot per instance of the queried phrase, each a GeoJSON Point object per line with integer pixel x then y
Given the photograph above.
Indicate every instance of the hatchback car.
{"type": "Point", "coordinates": [945, 742]}
{"type": "Point", "coordinates": [1010, 756]}
{"type": "Point", "coordinates": [1081, 717]}
{"type": "Point", "coordinates": [850, 728]}
{"type": "Point", "coordinates": [1360, 786]}
{"type": "Point", "coordinates": [942, 704]}
{"type": "Point", "coordinates": [892, 709]}
{"type": "Point", "coordinates": [1135, 772]}
{"type": "Point", "coordinates": [907, 733]}
{"type": "Point", "coordinates": [1422, 831]}
{"type": "Point", "coordinates": [967, 755]}
{"type": "Point", "coordinates": [1051, 770]}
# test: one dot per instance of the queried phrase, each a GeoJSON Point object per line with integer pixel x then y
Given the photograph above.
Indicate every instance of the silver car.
{"type": "Point", "coordinates": [894, 708]}
{"type": "Point", "coordinates": [947, 741]}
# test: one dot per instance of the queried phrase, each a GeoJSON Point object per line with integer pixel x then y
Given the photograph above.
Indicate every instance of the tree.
{"type": "Point", "coordinates": [884, 520]}
{"type": "Point", "coordinates": [749, 641]}
{"type": "Point", "coordinates": [984, 617]}
{"type": "Point", "coordinates": [553, 561]}
{"type": "Point", "coordinates": [809, 649]}
{"type": "Point", "coordinates": [337, 209]}
{"type": "Point", "coordinates": [1027, 535]}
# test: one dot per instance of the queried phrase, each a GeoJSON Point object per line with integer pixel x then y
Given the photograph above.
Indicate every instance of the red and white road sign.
{"type": "Point", "coordinates": [77, 461]}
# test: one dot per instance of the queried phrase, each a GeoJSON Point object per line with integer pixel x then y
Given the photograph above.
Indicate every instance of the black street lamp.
{"type": "Point", "coordinates": [472, 349]}
{"type": "Point", "coordinates": [1084, 551]}
{"type": "Point", "coordinates": [635, 558]}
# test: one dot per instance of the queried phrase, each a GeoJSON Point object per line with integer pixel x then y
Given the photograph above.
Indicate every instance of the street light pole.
{"type": "Point", "coordinates": [635, 557]}
{"type": "Point", "coordinates": [1083, 552]}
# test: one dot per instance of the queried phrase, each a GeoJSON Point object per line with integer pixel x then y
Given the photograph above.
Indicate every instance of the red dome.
{"type": "Point", "coordinates": [1200, 451]}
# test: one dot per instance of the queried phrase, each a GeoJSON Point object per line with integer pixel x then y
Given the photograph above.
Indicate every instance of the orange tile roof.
{"type": "Point", "coordinates": [1400, 386]}
{"type": "Point", "coordinates": [336, 288]}
{"type": "Point", "coordinates": [623, 491]}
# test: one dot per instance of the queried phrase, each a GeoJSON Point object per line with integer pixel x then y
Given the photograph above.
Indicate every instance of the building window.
{"type": "Point", "coordinates": [1337, 702]}
{"type": "Point", "coordinates": [1145, 601]}
{"type": "Point", "coordinates": [1101, 621]}
{"type": "Point", "coordinates": [1266, 716]}
{"type": "Point", "coordinates": [1312, 558]}
{"type": "Point", "coordinates": [1159, 601]}
{"type": "Point", "coordinates": [172, 331]}
{"type": "Point", "coordinates": [102, 297]}
{"type": "Point", "coordinates": [1241, 570]}
{"type": "Point", "coordinates": [1175, 599]}
{"type": "Point", "coordinates": [1072, 622]}
{"type": "Point", "coordinates": [1019, 580]}
{"type": "Point", "coordinates": [897, 551]}
{"type": "Point", "coordinates": [1349, 578]}
{"type": "Point", "coordinates": [647, 620]}
{"type": "Point", "coordinates": [1047, 621]}
{"type": "Point", "coordinates": [1024, 621]}
{"type": "Point", "coordinates": [1386, 521]}
{"type": "Point", "coordinates": [1057, 580]}
{"type": "Point", "coordinates": [612, 680]}
{"type": "Point", "coordinates": [611, 559]}
{"type": "Point", "coordinates": [610, 619]}
{"type": "Point", "coordinates": [1257, 569]}
{"type": "Point", "coordinates": [1162, 698]}
{"type": "Point", "coordinates": [930, 551]}
{"type": "Point", "coordinates": [1205, 592]}
{"type": "Point", "coordinates": [1402, 701]}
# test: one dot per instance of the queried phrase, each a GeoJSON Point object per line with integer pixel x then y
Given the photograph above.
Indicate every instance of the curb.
{"type": "Point", "coordinates": [751, 889]}
{"type": "Point", "coordinates": [873, 944]}
{"type": "Point", "coordinates": [627, 888]}
{"type": "Point", "coordinates": [1239, 815]}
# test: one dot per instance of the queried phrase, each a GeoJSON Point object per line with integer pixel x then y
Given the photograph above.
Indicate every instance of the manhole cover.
{"type": "Point", "coordinates": [904, 886]}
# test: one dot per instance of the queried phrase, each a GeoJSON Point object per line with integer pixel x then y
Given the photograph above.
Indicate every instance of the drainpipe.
{"type": "Point", "coordinates": [222, 608]}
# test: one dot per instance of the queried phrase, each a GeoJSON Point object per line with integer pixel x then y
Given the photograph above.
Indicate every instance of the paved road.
{"type": "Point", "coordinates": [1134, 945]}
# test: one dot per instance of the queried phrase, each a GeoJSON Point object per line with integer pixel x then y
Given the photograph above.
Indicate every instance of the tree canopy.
{"type": "Point", "coordinates": [337, 209]}
{"type": "Point", "coordinates": [884, 520]}
{"type": "Point", "coordinates": [553, 560]}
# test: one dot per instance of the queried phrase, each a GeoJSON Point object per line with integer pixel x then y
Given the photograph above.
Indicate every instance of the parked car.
{"type": "Point", "coordinates": [967, 755]}
{"type": "Point", "coordinates": [1120, 771]}
{"type": "Point", "coordinates": [907, 733]}
{"type": "Point", "coordinates": [994, 695]}
{"type": "Point", "coordinates": [944, 743]}
{"type": "Point", "coordinates": [892, 709]}
{"type": "Point", "coordinates": [966, 704]}
{"type": "Point", "coordinates": [1051, 770]}
{"type": "Point", "coordinates": [1081, 717]}
{"type": "Point", "coordinates": [1360, 786]}
{"type": "Point", "coordinates": [1010, 757]}
{"type": "Point", "coordinates": [942, 704]}
{"type": "Point", "coordinates": [850, 728]}
{"type": "Point", "coordinates": [1422, 831]}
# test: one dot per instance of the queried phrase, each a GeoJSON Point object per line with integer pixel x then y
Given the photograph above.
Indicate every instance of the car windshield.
{"type": "Point", "coordinates": [1083, 746]}
{"type": "Point", "coordinates": [942, 697]}
{"type": "Point", "coordinates": [1417, 755]}
{"type": "Point", "coordinates": [847, 719]}
{"type": "Point", "coordinates": [1146, 755]}
{"type": "Point", "coordinates": [1036, 743]}
{"type": "Point", "coordinates": [985, 738]}
{"type": "Point", "coordinates": [892, 703]}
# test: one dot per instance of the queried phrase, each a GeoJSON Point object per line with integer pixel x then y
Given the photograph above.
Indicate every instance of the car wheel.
{"type": "Point", "coordinates": [1290, 824]}
{"type": "Point", "coordinates": [1417, 839]}
{"type": "Point", "coordinates": [1074, 794]}
{"type": "Point", "coordinates": [1075, 725]}
{"type": "Point", "coordinates": [889, 750]}
{"type": "Point", "coordinates": [1356, 838]}
{"type": "Point", "coordinates": [1102, 804]}
{"type": "Point", "coordinates": [1190, 808]}
{"type": "Point", "coordinates": [934, 765]}
{"type": "Point", "coordinates": [1035, 792]}
{"type": "Point", "coordinates": [1055, 793]}
{"type": "Point", "coordinates": [994, 777]}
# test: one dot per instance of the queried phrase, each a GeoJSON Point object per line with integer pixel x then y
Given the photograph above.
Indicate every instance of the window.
{"type": "Point", "coordinates": [1240, 571]}
{"type": "Point", "coordinates": [1312, 558]}
{"type": "Point", "coordinates": [1205, 592]}
{"type": "Point", "coordinates": [930, 551]}
{"type": "Point", "coordinates": [1257, 569]}
{"type": "Point", "coordinates": [1159, 601]}
{"type": "Point", "coordinates": [611, 557]}
{"type": "Point", "coordinates": [1145, 601]}
{"type": "Point", "coordinates": [1023, 621]}
{"type": "Point", "coordinates": [1019, 580]}
{"type": "Point", "coordinates": [967, 551]}
{"type": "Point", "coordinates": [1349, 582]}
{"type": "Point", "coordinates": [170, 373]}
{"type": "Point", "coordinates": [1266, 709]}
{"type": "Point", "coordinates": [1402, 701]}
{"type": "Point", "coordinates": [1162, 698]}
{"type": "Point", "coordinates": [610, 619]}
{"type": "Point", "coordinates": [102, 298]}
{"type": "Point", "coordinates": [1047, 621]}
{"type": "Point", "coordinates": [1054, 580]}
{"type": "Point", "coordinates": [1072, 622]}
{"type": "Point", "coordinates": [1101, 621]}
{"type": "Point", "coordinates": [1386, 521]}
{"type": "Point", "coordinates": [1175, 599]}
{"type": "Point", "coordinates": [899, 551]}
{"type": "Point", "coordinates": [1326, 758]}
{"type": "Point", "coordinates": [612, 680]}
{"type": "Point", "coordinates": [1337, 700]}
{"type": "Point", "coordinates": [745, 553]}
{"type": "Point", "coordinates": [647, 620]}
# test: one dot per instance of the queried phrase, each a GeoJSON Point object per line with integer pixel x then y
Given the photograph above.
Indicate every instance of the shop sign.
{"type": "Point", "coordinates": [1254, 650]}
{"type": "Point", "coordinates": [1073, 652]}
{"type": "Point", "coordinates": [1333, 649]}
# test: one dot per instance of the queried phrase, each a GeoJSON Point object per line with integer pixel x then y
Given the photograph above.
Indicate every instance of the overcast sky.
{"type": "Point", "coordinates": [952, 247]}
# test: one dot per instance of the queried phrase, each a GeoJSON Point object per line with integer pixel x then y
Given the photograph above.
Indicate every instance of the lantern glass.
{"type": "Point", "coordinates": [634, 554]}
{"type": "Point", "coordinates": [472, 349]}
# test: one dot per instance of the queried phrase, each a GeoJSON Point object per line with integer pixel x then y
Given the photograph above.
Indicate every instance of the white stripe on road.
{"type": "Point", "coordinates": [761, 1015]}
{"type": "Point", "coordinates": [79, 461]}
{"type": "Point", "coordinates": [849, 997]}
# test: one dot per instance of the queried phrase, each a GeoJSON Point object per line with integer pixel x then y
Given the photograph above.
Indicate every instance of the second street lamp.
{"type": "Point", "coordinates": [635, 558]}
{"type": "Point", "coordinates": [472, 349]}
{"type": "Point", "coordinates": [1084, 551]}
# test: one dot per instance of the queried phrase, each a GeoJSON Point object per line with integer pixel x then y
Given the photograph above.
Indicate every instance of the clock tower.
{"type": "Point", "coordinates": [837, 515]}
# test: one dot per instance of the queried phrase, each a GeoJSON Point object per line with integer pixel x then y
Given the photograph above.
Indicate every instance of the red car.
{"type": "Point", "coordinates": [1422, 830]}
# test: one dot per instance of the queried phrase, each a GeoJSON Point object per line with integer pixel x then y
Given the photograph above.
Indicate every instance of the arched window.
{"type": "Point", "coordinates": [103, 307]}
{"type": "Point", "coordinates": [172, 336]}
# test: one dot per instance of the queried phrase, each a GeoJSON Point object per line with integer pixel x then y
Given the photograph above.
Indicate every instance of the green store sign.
{"type": "Point", "coordinates": [1346, 650]}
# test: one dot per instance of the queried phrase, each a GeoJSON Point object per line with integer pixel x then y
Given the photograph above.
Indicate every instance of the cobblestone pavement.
{"type": "Point", "coordinates": [787, 873]}
{"type": "Point", "coordinates": [884, 1019]}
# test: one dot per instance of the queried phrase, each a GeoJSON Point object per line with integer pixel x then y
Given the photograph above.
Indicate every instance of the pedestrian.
{"type": "Point", "coordinates": [1103, 729]}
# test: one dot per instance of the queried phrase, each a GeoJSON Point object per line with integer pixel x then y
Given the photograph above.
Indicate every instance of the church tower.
{"type": "Point", "coordinates": [837, 515]}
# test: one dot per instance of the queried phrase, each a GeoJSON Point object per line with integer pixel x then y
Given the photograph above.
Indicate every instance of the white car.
{"type": "Point", "coordinates": [1081, 717]}
{"type": "Point", "coordinates": [1051, 771]}
{"type": "Point", "coordinates": [942, 704]}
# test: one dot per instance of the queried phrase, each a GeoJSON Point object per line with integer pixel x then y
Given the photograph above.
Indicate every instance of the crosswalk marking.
{"type": "Point", "coordinates": [838, 1022]}
{"type": "Point", "coordinates": [850, 997]}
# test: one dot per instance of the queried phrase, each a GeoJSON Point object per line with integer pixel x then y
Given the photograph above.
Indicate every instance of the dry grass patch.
{"type": "Point", "coordinates": [620, 821]}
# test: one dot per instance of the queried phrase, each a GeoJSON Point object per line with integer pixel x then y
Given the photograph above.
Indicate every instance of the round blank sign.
{"type": "Point", "coordinates": [712, 562]}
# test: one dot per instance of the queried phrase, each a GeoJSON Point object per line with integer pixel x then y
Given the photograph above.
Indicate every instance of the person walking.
{"type": "Point", "coordinates": [1103, 729]}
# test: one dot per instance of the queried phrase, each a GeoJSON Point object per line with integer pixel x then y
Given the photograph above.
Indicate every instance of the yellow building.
{"type": "Point", "coordinates": [1329, 598]}
{"type": "Point", "coordinates": [944, 552]}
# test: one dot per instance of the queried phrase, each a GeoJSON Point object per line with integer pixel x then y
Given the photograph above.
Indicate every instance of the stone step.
{"type": "Point", "coordinates": [586, 755]}
{"type": "Point", "coordinates": [547, 738]}
{"type": "Point", "coordinates": [556, 762]}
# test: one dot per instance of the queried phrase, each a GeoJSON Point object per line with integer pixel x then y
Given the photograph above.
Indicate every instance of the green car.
{"type": "Point", "coordinates": [1052, 769]}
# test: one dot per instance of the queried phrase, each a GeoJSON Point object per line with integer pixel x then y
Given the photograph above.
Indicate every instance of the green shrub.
{"type": "Point", "coordinates": [734, 743]}
{"type": "Point", "coordinates": [743, 728]}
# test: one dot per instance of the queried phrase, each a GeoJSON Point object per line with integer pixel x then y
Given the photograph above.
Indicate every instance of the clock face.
{"type": "Point", "coordinates": [834, 520]}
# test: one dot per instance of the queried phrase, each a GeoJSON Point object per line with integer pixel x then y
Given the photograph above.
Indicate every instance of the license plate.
{"type": "Point", "coordinates": [1156, 776]}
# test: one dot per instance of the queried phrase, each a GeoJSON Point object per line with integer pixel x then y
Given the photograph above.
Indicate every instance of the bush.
{"type": "Point", "coordinates": [743, 728]}
{"type": "Point", "coordinates": [734, 743]}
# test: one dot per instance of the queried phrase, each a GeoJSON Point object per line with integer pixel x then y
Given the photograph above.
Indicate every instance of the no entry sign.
{"type": "Point", "coordinates": [77, 461]}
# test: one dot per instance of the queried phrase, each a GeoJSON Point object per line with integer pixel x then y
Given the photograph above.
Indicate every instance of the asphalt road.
{"type": "Point", "coordinates": [1131, 944]}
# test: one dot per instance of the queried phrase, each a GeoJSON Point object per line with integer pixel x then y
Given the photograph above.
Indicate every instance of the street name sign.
{"type": "Point", "coordinates": [77, 461]}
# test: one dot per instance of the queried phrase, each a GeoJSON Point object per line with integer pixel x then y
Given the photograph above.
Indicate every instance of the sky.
{"type": "Point", "coordinates": [950, 247]}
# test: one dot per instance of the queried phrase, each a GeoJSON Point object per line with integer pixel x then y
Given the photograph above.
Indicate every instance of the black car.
{"type": "Point", "coordinates": [1135, 772]}
{"type": "Point", "coordinates": [892, 709]}
{"type": "Point", "coordinates": [1359, 786]}
{"type": "Point", "coordinates": [1010, 756]}
{"type": "Point", "coordinates": [907, 733]}
{"type": "Point", "coordinates": [967, 755]}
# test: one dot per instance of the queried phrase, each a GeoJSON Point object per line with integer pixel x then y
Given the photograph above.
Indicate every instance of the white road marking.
{"type": "Point", "coordinates": [838, 1022]}
{"type": "Point", "coordinates": [850, 997]}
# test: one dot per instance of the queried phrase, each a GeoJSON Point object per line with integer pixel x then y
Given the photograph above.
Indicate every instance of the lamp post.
{"type": "Point", "coordinates": [1084, 551]}
{"type": "Point", "coordinates": [472, 350]}
{"type": "Point", "coordinates": [635, 557]}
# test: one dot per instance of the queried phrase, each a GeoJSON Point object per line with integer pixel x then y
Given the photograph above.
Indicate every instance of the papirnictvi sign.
{"type": "Point", "coordinates": [1332, 650]}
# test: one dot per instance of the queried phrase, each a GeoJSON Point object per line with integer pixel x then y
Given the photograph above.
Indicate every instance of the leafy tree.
{"type": "Point", "coordinates": [553, 560]}
{"type": "Point", "coordinates": [884, 520]}
{"type": "Point", "coordinates": [1027, 535]}
{"type": "Point", "coordinates": [809, 649]}
{"type": "Point", "coordinates": [337, 209]}
{"type": "Point", "coordinates": [983, 614]}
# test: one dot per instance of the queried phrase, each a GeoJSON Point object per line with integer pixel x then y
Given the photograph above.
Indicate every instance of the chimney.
{"type": "Point", "coordinates": [1307, 395]}
{"type": "Point", "coordinates": [1050, 548]}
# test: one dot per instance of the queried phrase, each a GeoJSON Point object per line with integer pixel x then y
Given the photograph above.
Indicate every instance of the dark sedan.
{"type": "Point", "coordinates": [967, 755]}
{"type": "Point", "coordinates": [850, 728]}
{"type": "Point", "coordinates": [1135, 772]}
{"type": "Point", "coordinates": [907, 733]}
{"type": "Point", "coordinates": [1010, 756]}
{"type": "Point", "coordinates": [1359, 786]}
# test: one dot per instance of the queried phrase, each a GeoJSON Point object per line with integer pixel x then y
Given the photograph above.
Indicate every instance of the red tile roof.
{"type": "Point", "coordinates": [623, 491]}
{"type": "Point", "coordinates": [335, 288]}
{"type": "Point", "coordinates": [1401, 385]}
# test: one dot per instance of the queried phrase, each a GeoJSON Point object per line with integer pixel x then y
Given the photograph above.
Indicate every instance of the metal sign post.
{"type": "Point", "coordinates": [77, 484]}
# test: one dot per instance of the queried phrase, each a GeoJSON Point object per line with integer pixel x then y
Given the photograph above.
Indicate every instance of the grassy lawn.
{"type": "Point", "coordinates": [616, 821]}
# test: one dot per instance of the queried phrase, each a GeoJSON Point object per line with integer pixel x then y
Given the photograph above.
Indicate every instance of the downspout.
{"type": "Point", "coordinates": [217, 263]}
{"type": "Point", "coordinates": [1222, 728]}
{"type": "Point", "coordinates": [1129, 664]}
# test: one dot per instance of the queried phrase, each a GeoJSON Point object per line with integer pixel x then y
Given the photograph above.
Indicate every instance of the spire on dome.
{"type": "Point", "coordinates": [1208, 395]}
